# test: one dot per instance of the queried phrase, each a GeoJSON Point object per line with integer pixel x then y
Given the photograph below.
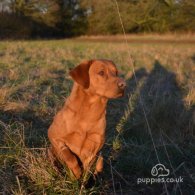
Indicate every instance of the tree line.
{"type": "Point", "coordinates": [67, 18]}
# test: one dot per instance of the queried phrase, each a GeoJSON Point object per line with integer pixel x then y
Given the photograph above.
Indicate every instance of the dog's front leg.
{"type": "Point", "coordinates": [99, 165]}
{"type": "Point", "coordinates": [89, 151]}
{"type": "Point", "coordinates": [64, 154]}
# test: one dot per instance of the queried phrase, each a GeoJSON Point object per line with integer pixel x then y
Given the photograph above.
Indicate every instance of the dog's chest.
{"type": "Point", "coordinates": [87, 138]}
{"type": "Point", "coordinates": [90, 126]}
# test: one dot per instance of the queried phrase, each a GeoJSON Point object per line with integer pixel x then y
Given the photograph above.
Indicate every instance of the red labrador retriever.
{"type": "Point", "coordinates": [78, 129]}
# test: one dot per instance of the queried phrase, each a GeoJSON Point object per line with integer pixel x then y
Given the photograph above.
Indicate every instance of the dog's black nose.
{"type": "Point", "coordinates": [121, 84]}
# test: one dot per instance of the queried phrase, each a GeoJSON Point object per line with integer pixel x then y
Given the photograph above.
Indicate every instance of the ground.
{"type": "Point", "coordinates": [154, 123]}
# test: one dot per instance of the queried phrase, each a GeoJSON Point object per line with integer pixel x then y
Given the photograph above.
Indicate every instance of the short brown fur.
{"type": "Point", "coordinates": [78, 129]}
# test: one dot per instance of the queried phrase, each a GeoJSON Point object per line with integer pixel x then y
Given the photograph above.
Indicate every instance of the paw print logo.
{"type": "Point", "coordinates": [159, 170]}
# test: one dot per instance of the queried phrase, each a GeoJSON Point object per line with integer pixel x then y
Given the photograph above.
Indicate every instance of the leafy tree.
{"type": "Point", "coordinates": [74, 17]}
{"type": "Point", "coordinates": [42, 11]}
{"type": "Point", "coordinates": [184, 18]}
{"type": "Point", "coordinates": [73, 20]}
{"type": "Point", "coordinates": [139, 15]}
{"type": "Point", "coordinates": [101, 16]}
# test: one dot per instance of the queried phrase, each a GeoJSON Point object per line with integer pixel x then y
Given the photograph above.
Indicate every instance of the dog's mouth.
{"type": "Point", "coordinates": [121, 93]}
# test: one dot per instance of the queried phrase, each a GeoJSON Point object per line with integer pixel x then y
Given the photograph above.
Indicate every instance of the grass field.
{"type": "Point", "coordinates": [34, 84]}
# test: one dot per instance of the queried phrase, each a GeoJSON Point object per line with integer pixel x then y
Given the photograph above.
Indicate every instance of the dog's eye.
{"type": "Point", "coordinates": [101, 73]}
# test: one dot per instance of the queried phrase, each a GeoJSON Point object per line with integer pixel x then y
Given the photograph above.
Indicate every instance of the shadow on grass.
{"type": "Point", "coordinates": [171, 126]}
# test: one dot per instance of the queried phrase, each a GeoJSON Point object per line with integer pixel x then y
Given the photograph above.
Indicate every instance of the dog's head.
{"type": "Point", "coordinates": [100, 77]}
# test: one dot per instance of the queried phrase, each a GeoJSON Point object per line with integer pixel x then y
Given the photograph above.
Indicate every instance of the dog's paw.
{"type": "Point", "coordinates": [77, 172]}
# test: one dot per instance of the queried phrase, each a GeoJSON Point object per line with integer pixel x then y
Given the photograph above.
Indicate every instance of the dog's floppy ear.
{"type": "Point", "coordinates": [80, 74]}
